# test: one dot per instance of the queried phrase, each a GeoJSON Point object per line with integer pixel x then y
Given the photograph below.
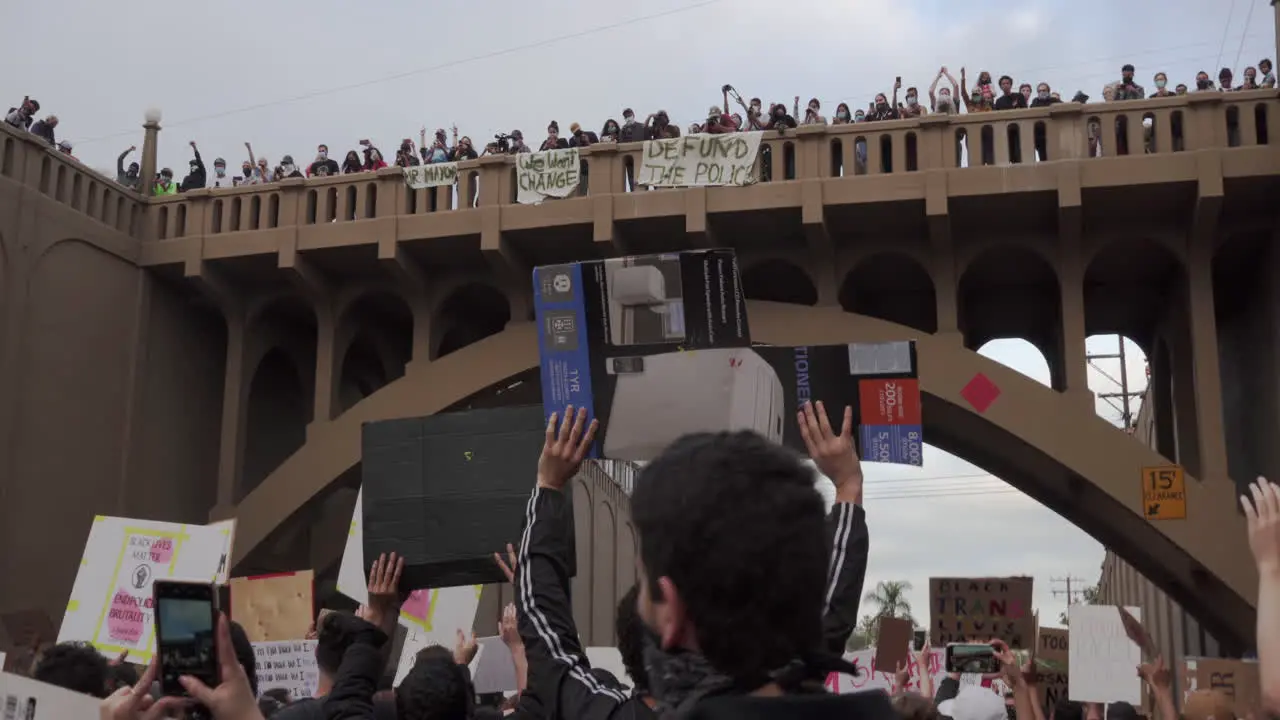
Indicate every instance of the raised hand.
{"type": "Point", "coordinates": [1156, 674]}
{"type": "Point", "coordinates": [465, 649]}
{"type": "Point", "coordinates": [832, 453]}
{"type": "Point", "coordinates": [509, 628]}
{"type": "Point", "coordinates": [312, 634]}
{"type": "Point", "coordinates": [384, 590]}
{"type": "Point", "coordinates": [136, 703]}
{"type": "Point", "coordinates": [507, 566]}
{"type": "Point", "coordinates": [1262, 517]}
{"type": "Point", "coordinates": [124, 654]}
{"type": "Point", "coordinates": [901, 676]}
{"type": "Point", "coordinates": [564, 449]}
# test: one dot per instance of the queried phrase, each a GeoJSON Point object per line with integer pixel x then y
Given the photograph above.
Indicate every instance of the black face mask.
{"type": "Point", "coordinates": [404, 148]}
{"type": "Point", "coordinates": [882, 105]}
{"type": "Point", "coordinates": [1204, 84]}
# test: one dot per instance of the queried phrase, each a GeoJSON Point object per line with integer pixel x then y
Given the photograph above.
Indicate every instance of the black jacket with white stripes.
{"type": "Point", "coordinates": [562, 685]}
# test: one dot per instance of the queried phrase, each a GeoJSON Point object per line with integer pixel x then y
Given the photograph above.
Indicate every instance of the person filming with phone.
{"type": "Point", "coordinates": [973, 702]}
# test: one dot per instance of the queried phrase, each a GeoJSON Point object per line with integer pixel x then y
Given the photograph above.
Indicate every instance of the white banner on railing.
{"type": "Point", "coordinates": [551, 173]}
{"type": "Point", "coordinates": [432, 175]}
{"type": "Point", "coordinates": [700, 160]}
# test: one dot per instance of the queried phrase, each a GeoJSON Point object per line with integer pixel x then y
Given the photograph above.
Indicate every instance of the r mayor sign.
{"type": "Point", "coordinates": [700, 160]}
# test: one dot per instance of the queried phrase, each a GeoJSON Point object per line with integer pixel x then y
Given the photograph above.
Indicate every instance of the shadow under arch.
{"type": "Point", "coordinates": [469, 314]}
{"type": "Point", "coordinates": [893, 287]}
{"type": "Point", "coordinates": [778, 280]}
{"type": "Point", "coordinates": [1009, 291]}
{"type": "Point", "coordinates": [1129, 286]}
{"type": "Point", "coordinates": [375, 333]}
{"type": "Point", "coordinates": [278, 401]}
{"type": "Point", "coordinates": [1087, 474]}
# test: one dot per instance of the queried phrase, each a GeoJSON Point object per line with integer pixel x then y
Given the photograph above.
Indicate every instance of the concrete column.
{"type": "Point", "coordinates": [1075, 378]}
{"type": "Point", "coordinates": [150, 151]}
{"type": "Point", "coordinates": [1275, 6]}
{"type": "Point", "coordinates": [326, 366]}
{"type": "Point", "coordinates": [235, 390]}
{"type": "Point", "coordinates": [1206, 377]}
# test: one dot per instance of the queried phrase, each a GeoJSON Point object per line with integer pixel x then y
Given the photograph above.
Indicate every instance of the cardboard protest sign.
{"type": "Point", "coordinates": [1052, 649]}
{"type": "Point", "coordinates": [273, 607]}
{"type": "Point", "coordinates": [700, 160]}
{"type": "Point", "coordinates": [443, 491]}
{"type": "Point", "coordinates": [353, 576]}
{"type": "Point", "coordinates": [981, 610]}
{"type": "Point", "coordinates": [431, 175]}
{"type": "Point", "coordinates": [551, 173]}
{"type": "Point", "coordinates": [893, 643]}
{"type": "Point", "coordinates": [1102, 657]}
{"type": "Point", "coordinates": [1052, 687]}
{"type": "Point", "coordinates": [1238, 680]}
{"type": "Point", "coordinates": [436, 621]}
{"type": "Point", "coordinates": [111, 600]}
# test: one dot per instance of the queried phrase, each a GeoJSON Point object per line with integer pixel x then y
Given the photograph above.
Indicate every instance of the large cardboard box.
{"type": "Point", "coordinates": [880, 381]}
{"type": "Point", "coordinates": [447, 491]}
{"type": "Point", "coordinates": [654, 347]}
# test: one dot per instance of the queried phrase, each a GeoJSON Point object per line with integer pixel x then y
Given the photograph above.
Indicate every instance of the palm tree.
{"type": "Point", "coordinates": [890, 598]}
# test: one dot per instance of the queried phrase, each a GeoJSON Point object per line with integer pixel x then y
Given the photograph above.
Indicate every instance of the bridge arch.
{"type": "Point", "coordinates": [777, 279]}
{"type": "Point", "coordinates": [468, 314]}
{"type": "Point", "coordinates": [1012, 291]}
{"type": "Point", "coordinates": [280, 357]}
{"type": "Point", "coordinates": [1129, 287]}
{"type": "Point", "coordinates": [1036, 439]}
{"type": "Point", "coordinates": [373, 343]}
{"type": "Point", "coordinates": [892, 286]}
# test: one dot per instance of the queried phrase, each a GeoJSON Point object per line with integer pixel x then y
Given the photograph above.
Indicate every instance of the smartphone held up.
{"type": "Point", "coordinates": [186, 624]}
{"type": "Point", "coordinates": [972, 658]}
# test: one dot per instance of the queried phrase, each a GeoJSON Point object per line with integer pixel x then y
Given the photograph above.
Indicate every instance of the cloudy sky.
{"type": "Point", "coordinates": [335, 71]}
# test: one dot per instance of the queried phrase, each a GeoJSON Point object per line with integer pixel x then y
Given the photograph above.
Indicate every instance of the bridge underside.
{"type": "Point", "coordinates": [1056, 451]}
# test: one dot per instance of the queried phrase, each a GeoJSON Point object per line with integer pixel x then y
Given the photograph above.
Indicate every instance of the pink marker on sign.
{"type": "Point", "coordinates": [418, 607]}
{"type": "Point", "coordinates": [124, 619]}
{"type": "Point", "coordinates": [161, 550]}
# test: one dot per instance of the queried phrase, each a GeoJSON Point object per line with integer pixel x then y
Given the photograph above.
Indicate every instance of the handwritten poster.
{"type": "Point", "coordinates": [287, 664]}
{"type": "Point", "coordinates": [431, 175]}
{"type": "Point", "coordinates": [1238, 680]}
{"type": "Point", "coordinates": [700, 160]}
{"type": "Point", "coordinates": [111, 601]}
{"type": "Point", "coordinates": [1103, 660]}
{"type": "Point", "coordinates": [981, 610]}
{"type": "Point", "coordinates": [551, 173]}
{"type": "Point", "coordinates": [447, 611]}
{"type": "Point", "coordinates": [416, 612]}
{"type": "Point", "coordinates": [1053, 647]}
{"type": "Point", "coordinates": [877, 680]}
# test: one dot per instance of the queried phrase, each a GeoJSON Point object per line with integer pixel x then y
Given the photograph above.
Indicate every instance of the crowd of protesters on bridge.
{"type": "Point", "coordinates": [747, 591]}
{"type": "Point", "coordinates": [946, 95]}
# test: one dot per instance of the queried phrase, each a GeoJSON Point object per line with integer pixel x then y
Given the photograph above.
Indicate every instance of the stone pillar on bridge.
{"type": "Point", "coordinates": [149, 151]}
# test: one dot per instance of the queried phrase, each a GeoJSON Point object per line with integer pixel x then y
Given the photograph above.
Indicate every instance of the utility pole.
{"type": "Point", "coordinates": [1125, 396]}
{"type": "Point", "coordinates": [1070, 592]}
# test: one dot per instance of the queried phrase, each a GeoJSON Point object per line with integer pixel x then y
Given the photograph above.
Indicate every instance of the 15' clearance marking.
{"type": "Point", "coordinates": [1164, 493]}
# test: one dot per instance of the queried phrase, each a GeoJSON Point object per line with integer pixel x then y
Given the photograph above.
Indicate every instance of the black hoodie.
{"type": "Point", "coordinates": [195, 180]}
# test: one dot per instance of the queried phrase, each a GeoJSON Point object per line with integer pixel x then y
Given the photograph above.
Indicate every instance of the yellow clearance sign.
{"type": "Point", "coordinates": [1164, 493]}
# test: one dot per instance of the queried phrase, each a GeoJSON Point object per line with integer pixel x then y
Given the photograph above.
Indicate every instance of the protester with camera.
{"type": "Point", "coordinates": [581, 138]}
{"type": "Point", "coordinates": [405, 155]}
{"type": "Point", "coordinates": [658, 127]}
{"type": "Point", "coordinates": [554, 141]}
{"type": "Point", "coordinates": [610, 132]}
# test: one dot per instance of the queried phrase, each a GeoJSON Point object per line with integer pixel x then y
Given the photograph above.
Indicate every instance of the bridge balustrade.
{"type": "Point", "coordinates": [1066, 131]}
{"type": "Point", "coordinates": [27, 159]}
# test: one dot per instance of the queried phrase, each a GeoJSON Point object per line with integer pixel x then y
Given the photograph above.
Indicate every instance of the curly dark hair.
{"type": "Point", "coordinates": [74, 666]}
{"type": "Point", "coordinates": [630, 630]}
{"type": "Point", "coordinates": [737, 524]}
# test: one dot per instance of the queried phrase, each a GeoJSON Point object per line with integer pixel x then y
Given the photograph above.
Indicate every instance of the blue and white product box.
{"type": "Point", "coordinates": [649, 345]}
